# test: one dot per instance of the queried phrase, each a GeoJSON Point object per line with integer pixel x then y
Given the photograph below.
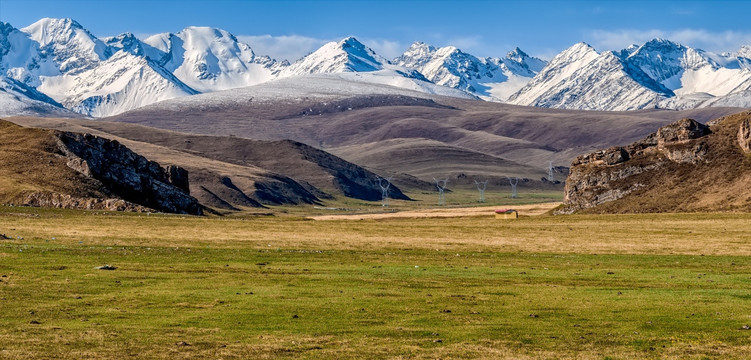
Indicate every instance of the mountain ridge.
{"type": "Point", "coordinates": [59, 57]}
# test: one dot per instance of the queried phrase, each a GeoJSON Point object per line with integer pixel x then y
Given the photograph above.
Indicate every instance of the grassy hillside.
{"type": "Point", "coordinates": [426, 159]}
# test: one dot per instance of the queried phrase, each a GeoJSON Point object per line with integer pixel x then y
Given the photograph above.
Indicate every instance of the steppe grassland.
{"type": "Point", "coordinates": [620, 286]}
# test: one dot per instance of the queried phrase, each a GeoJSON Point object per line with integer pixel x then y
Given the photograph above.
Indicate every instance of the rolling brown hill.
{"type": "Point", "coordinates": [684, 166]}
{"type": "Point", "coordinates": [525, 137]}
{"type": "Point", "coordinates": [425, 159]}
{"type": "Point", "coordinates": [248, 152]}
{"type": "Point", "coordinates": [318, 171]}
{"type": "Point", "coordinates": [69, 170]}
{"type": "Point", "coordinates": [235, 173]}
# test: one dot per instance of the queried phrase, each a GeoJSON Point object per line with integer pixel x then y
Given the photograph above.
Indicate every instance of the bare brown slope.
{"type": "Point", "coordinates": [676, 169]}
{"type": "Point", "coordinates": [28, 163]}
{"type": "Point", "coordinates": [426, 159]}
{"type": "Point", "coordinates": [531, 136]}
{"type": "Point", "coordinates": [214, 183]}
{"type": "Point", "coordinates": [267, 164]}
{"type": "Point", "coordinates": [72, 170]}
{"type": "Point", "coordinates": [323, 171]}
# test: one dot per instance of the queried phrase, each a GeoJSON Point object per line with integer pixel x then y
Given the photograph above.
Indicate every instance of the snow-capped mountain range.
{"type": "Point", "coordinates": [492, 79]}
{"type": "Point", "coordinates": [56, 66]}
{"type": "Point", "coordinates": [657, 74]}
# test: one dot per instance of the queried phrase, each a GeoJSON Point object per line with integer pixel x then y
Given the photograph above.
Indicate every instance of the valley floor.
{"type": "Point", "coordinates": [581, 286]}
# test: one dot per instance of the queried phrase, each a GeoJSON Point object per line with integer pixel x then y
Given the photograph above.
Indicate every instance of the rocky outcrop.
{"type": "Point", "coordinates": [66, 201]}
{"type": "Point", "coordinates": [744, 135]}
{"type": "Point", "coordinates": [681, 131]}
{"type": "Point", "coordinates": [683, 167]}
{"type": "Point", "coordinates": [178, 177]}
{"type": "Point", "coordinates": [127, 175]}
{"type": "Point", "coordinates": [611, 174]}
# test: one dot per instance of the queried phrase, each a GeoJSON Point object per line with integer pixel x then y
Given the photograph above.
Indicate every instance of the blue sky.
{"type": "Point", "coordinates": [290, 29]}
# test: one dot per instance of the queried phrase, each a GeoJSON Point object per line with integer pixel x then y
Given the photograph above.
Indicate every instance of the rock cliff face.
{"type": "Point", "coordinates": [48, 168]}
{"type": "Point", "coordinates": [744, 135]}
{"type": "Point", "coordinates": [684, 166]}
{"type": "Point", "coordinates": [127, 174]}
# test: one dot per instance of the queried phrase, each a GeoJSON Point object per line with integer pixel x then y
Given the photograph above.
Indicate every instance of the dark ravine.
{"type": "Point", "coordinates": [684, 166]}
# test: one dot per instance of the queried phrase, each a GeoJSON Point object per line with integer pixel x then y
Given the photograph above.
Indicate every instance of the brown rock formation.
{"type": "Point", "coordinates": [684, 166]}
{"type": "Point", "coordinates": [744, 135]}
{"type": "Point", "coordinates": [127, 174]}
{"type": "Point", "coordinates": [69, 170]}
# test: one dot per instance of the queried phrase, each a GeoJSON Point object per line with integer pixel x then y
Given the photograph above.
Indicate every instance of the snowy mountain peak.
{"type": "Point", "coordinates": [449, 50]}
{"type": "Point", "coordinates": [351, 41]}
{"type": "Point", "coordinates": [209, 59]}
{"type": "Point", "coordinates": [518, 57]}
{"type": "Point", "coordinates": [555, 75]}
{"type": "Point", "coordinates": [65, 41]}
{"type": "Point", "coordinates": [577, 50]}
{"type": "Point", "coordinates": [200, 37]}
{"type": "Point", "coordinates": [46, 29]}
{"type": "Point", "coordinates": [666, 61]}
{"type": "Point", "coordinates": [355, 48]}
{"type": "Point", "coordinates": [491, 79]}
{"type": "Point", "coordinates": [419, 46]}
{"type": "Point", "coordinates": [20, 57]}
{"type": "Point", "coordinates": [658, 49]}
{"type": "Point", "coordinates": [120, 83]}
{"type": "Point", "coordinates": [658, 74]}
{"type": "Point", "coordinates": [127, 42]}
{"type": "Point", "coordinates": [418, 54]}
{"type": "Point", "coordinates": [347, 55]}
{"type": "Point", "coordinates": [516, 54]}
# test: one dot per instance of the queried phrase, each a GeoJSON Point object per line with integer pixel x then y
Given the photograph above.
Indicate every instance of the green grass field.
{"type": "Point", "coordinates": [584, 287]}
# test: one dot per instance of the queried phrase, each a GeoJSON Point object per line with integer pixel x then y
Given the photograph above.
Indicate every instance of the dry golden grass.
{"type": "Point", "coordinates": [708, 234]}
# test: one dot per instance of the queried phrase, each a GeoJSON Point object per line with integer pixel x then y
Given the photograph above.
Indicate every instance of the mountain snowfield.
{"type": "Point", "coordinates": [18, 99]}
{"type": "Point", "coordinates": [56, 66]}
{"type": "Point", "coordinates": [321, 87]}
{"type": "Point", "coordinates": [492, 79]}
{"type": "Point", "coordinates": [118, 84]}
{"type": "Point", "coordinates": [208, 59]}
{"type": "Point", "coordinates": [657, 74]}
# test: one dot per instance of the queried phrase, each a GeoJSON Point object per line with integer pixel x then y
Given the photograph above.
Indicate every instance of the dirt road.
{"type": "Point", "coordinates": [524, 210]}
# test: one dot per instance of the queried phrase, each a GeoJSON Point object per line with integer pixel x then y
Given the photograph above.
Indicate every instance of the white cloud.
{"type": "Point", "coordinates": [466, 43]}
{"type": "Point", "coordinates": [389, 49]}
{"type": "Point", "coordinates": [289, 47]}
{"type": "Point", "coordinates": [724, 41]}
